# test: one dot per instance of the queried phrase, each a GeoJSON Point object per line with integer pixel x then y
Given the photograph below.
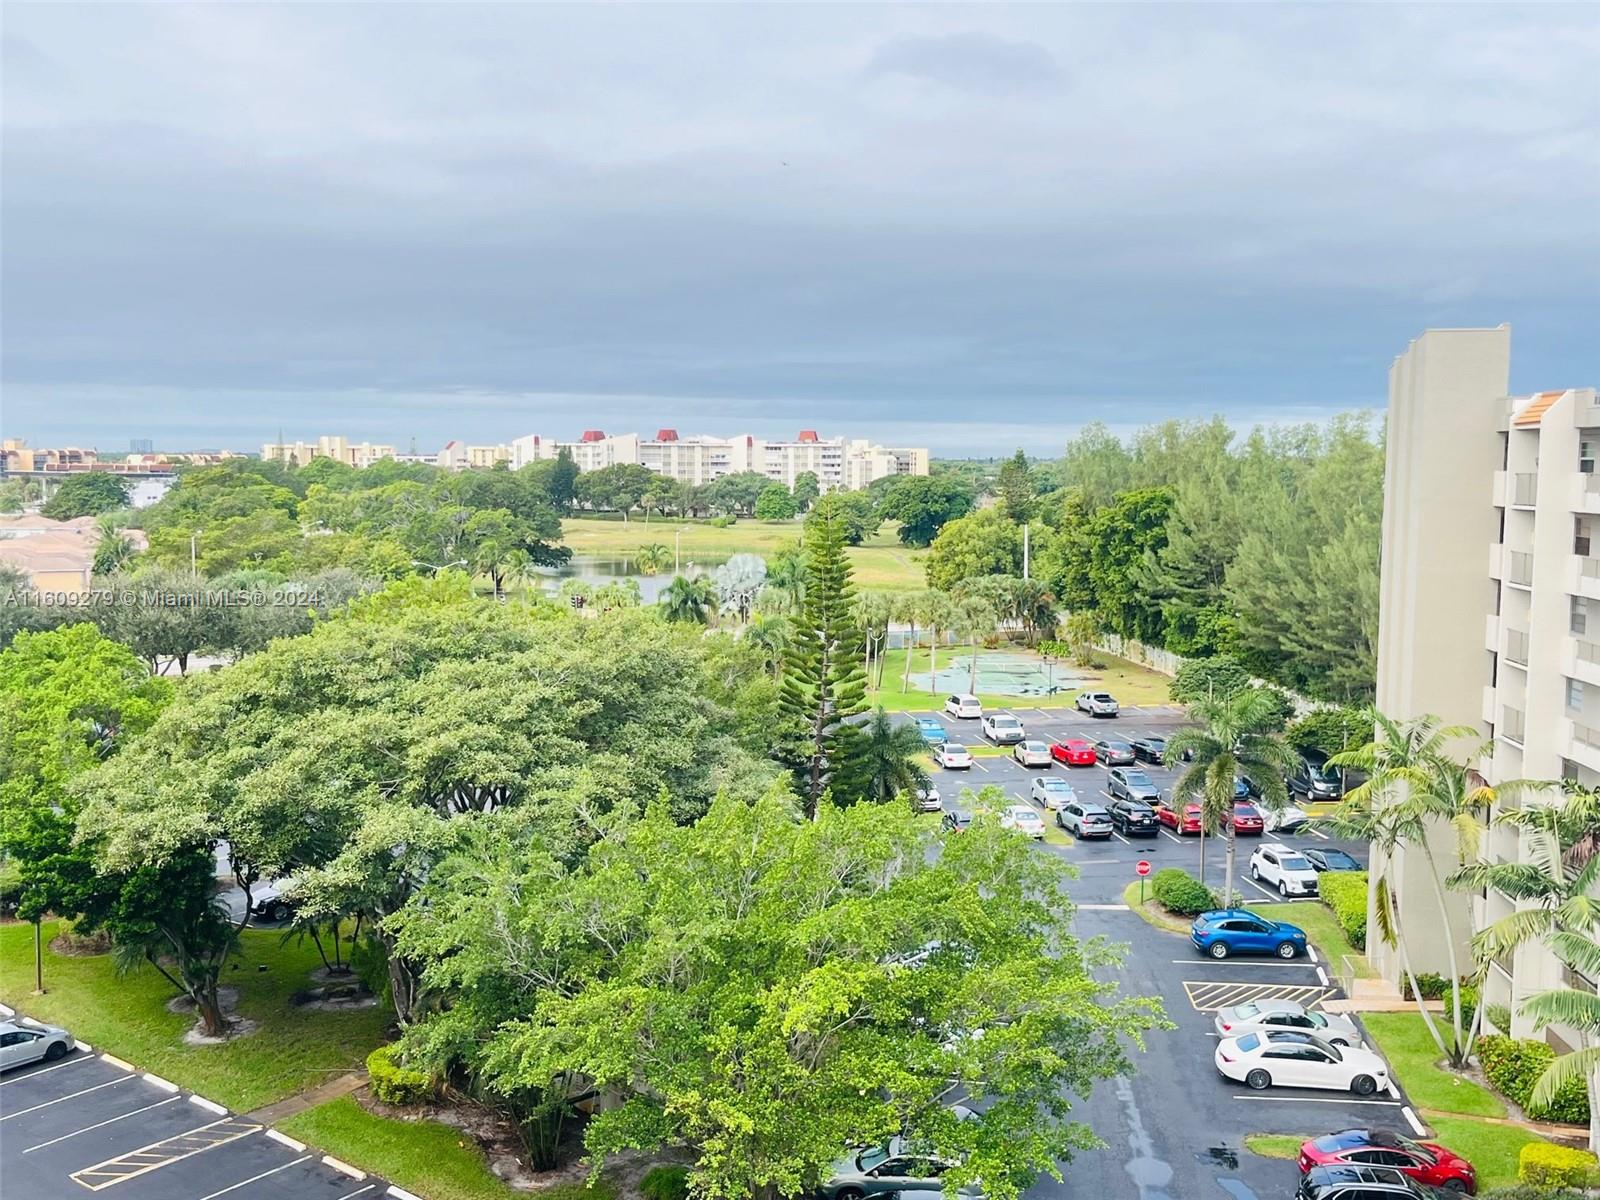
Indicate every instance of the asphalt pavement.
{"type": "Point", "coordinates": [91, 1123]}
{"type": "Point", "coordinates": [1174, 1129]}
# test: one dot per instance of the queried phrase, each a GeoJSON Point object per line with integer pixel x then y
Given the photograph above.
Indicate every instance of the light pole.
{"type": "Point", "coordinates": [193, 538]}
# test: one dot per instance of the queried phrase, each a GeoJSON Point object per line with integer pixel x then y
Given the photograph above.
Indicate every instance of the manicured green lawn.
{"type": "Point", "coordinates": [880, 563]}
{"type": "Point", "coordinates": [1493, 1149]}
{"type": "Point", "coordinates": [1403, 1040]}
{"type": "Point", "coordinates": [424, 1157]}
{"type": "Point", "coordinates": [126, 1015]}
{"type": "Point", "coordinates": [1321, 927]}
{"type": "Point", "coordinates": [1274, 1145]}
{"type": "Point", "coordinates": [1128, 682]}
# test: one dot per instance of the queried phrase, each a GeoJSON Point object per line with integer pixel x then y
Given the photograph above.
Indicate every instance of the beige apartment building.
{"type": "Point", "coordinates": [352, 454]}
{"type": "Point", "coordinates": [1490, 608]}
{"type": "Point", "coordinates": [699, 459]}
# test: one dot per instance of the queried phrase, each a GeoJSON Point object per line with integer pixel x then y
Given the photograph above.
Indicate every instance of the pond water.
{"type": "Point", "coordinates": [601, 569]}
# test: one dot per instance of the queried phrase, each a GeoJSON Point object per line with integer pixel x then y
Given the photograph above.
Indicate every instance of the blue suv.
{"type": "Point", "coordinates": [1226, 931]}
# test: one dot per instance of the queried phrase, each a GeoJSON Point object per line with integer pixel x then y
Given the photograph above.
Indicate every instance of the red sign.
{"type": "Point", "coordinates": [1143, 868]}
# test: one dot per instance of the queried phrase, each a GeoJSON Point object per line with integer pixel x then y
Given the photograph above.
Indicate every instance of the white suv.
{"type": "Point", "coordinates": [964, 706]}
{"type": "Point", "coordinates": [1285, 868]}
{"type": "Point", "coordinates": [1003, 729]}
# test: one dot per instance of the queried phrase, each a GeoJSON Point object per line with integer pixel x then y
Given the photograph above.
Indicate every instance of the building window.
{"type": "Point", "coordinates": [1580, 536]}
{"type": "Point", "coordinates": [1579, 622]}
{"type": "Point", "coordinates": [1575, 696]}
{"type": "Point", "coordinates": [1586, 455]}
{"type": "Point", "coordinates": [1512, 724]}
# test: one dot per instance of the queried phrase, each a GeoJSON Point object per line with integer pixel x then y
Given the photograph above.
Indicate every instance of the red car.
{"type": "Point", "coordinates": [1246, 818]}
{"type": "Point", "coordinates": [1168, 815]}
{"type": "Point", "coordinates": [1075, 752]}
{"type": "Point", "coordinates": [1426, 1162]}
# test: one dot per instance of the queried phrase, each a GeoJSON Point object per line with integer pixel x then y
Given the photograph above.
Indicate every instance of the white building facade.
{"type": "Point", "coordinates": [1490, 612]}
{"type": "Point", "coordinates": [352, 454]}
{"type": "Point", "coordinates": [699, 459]}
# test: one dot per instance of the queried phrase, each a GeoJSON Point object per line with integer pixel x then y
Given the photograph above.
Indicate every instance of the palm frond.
{"type": "Point", "coordinates": [1579, 951]}
{"type": "Point", "coordinates": [1509, 932]}
{"type": "Point", "coordinates": [1562, 1072]}
{"type": "Point", "coordinates": [1564, 1006]}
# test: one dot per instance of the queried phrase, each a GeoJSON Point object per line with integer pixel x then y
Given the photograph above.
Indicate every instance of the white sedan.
{"type": "Point", "coordinates": [1258, 1016]}
{"type": "Point", "coordinates": [1284, 1058]}
{"type": "Point", "coordinates": [1024, 820]}
{"type": "Point", "coordinates": [1032, 754]}
{"type": "Point", "coordinates": [22, 1044]}
{"type": "Point", "coordinates": [1050, 793]}
{"type": "Point", "coordinates": [953, 757]}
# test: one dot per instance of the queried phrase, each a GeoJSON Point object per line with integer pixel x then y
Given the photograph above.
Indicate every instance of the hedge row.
{"type": "Point", "coordinates": [1180, 892]}
{"type": "Point", "coordinates": [1545, 1164]}
{"type": "Point", "coordinates": [393, 1083]}
{"type": "Point", "coordinates": [1513, 1066]}
{"type": "Point", "coordinates": [1346, 893]}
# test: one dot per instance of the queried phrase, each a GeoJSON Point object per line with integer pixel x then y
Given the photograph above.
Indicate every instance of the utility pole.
{"type": "Point", "coordinates": [193, 573]}
{"type": "Point", "coordinates": [1024, 551]}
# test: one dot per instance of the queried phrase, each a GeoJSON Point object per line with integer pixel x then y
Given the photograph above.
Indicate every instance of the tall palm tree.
{"type": "Point", "coordinates": [1236, 736]}
{"type": "Point", "coordinates": [888, 759]}
{"type": "Point", "coordinates": [689, 600]}
{"type": "Point", "coordinates": [908, 608]}
{"type": "Point", "coordinates": [769, 633]}
{"type": "Point", "coordinates": [1581, 1011]}
{"type": "Point", "coordinates": [873, 612]}
{"type": "Point", "coordinates": [974, 620]}
{"type": "Point", "coordinates": [788, 572]}
{"type": "Point", "coordinates": [1414, 786]}
{"type": "Point", "coordinates": [937, 614]}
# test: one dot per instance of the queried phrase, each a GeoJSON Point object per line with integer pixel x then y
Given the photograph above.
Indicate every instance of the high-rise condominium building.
{"type": "Point", "coordinates": [837, 463]}
{"type": "Point", "coordinates": [1490, 613]}
{"type": "Point", "coordinates": [352, 454]}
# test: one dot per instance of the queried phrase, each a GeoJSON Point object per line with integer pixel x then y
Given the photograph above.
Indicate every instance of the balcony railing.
{"type": "Point", "coordinates": [1517, 647]}
{"type": "Point", "coordinates": [1525, 489]}
{"type": "Point", "coordinates": [1588, 652]}
{"type": "Point", "coordinates": [1520, 569]}
{"type": "Point", "coordinates": [1589, 568]}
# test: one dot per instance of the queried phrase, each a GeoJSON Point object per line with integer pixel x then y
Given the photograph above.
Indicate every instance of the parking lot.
{"type": "Point", "coordinates": [1175, 1129]}
{"type": "Point", "coordinates": [92, 1124]}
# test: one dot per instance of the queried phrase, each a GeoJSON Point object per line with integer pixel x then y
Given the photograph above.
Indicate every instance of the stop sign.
{"type": "Point", "coordinates": [1143, 868]}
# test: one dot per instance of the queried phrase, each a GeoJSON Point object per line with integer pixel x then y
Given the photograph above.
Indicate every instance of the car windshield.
{"type": "Point", "coordinates": [1138, 777]}
{"type": "Point", "coordinates": [1057, 785]}
{"type": "Point", "coordinates": [1101, 696]}
{"type": "Point", "coordinates": [952, 748]}
{"type": "Point", "coordinates": [1033, 745]}
{"type": "Point", "coordinates": [868, 1159]}
{"type": "Point", "coordinates": [1092, 813]}
{"type": "Point", "coordinates": [1293, 862]}
{"type": "Point", "coordinates": [1338, 858]}
{"type": "Point", "coordinates": [1007, 721]}
{"type": "Point", "coordinates": [1024, 815]}
{"type": "Point", "coordinates": [1245, 810]}
{"type": "Point", "coordinates": [1118, 746]}
{"type": "Point", "coordinates": [1155, 743]}
{"type": "Point", "coordinates": [1249, 1042]}
{"type": "Point", "coordinates": [1246, 1010]}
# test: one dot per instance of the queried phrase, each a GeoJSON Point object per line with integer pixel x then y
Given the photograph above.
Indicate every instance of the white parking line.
{"type": "Point", "coordinates": [1120, 838]}
{"type": "Point", "coordinates": [1172, 837]}
{"type": "Point", "coordinates": [1311, 952]}
{"type": "Point", "coordinates": [1317, 833]}
{"type": "Point", "coordinates": [1393, 1091]}
{"type": "Point", "coordinates": [70, 1096]}
{"type": "Point", "coordinates": [1260, 889]}
{"type": "Point", "coordinates": [236, 1186]}
{"type": "Point", "coordinates": [58, 1067]}
{"type": "Point", "coordinates": [1322, 975]}
{"type": "Point", "coordinates": [359, 1191]}
{"type": "Point", "coordinates": [1323, 1100]}
{"type": "Point", "coordinates": [97, 1125]}
{"type": "Point", "coordinates": [1406, 1112]}
{"type": "Point", "coordinates": [209, 1106]}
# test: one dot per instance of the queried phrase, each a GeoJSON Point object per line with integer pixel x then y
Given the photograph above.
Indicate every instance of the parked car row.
{"type": "Point", "coordinates": [964, 706]}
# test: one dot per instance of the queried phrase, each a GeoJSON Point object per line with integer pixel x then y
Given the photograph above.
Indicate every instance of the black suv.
{"type": "Point", "coordinates": [1355, 1182]}
{"type": "Point", "coordinates": [1152, 750]}
{"type": "Point", "coordinates": [1313, 778]}
{"type": "Point", "coordinates": [1134, 818]}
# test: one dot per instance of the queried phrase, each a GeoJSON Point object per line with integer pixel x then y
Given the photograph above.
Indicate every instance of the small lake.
{"type": "Point", "coordinates": [601, 569]}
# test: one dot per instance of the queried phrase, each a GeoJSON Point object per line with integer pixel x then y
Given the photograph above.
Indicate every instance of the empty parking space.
{"type": "Point", "coordinates": [92, 1125]}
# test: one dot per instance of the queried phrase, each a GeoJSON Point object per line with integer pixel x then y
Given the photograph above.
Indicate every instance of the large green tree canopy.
{"type": "Point", "coordinates": [770, 990]}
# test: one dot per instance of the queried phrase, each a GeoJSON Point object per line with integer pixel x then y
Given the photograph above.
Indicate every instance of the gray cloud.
{"type": "Point", "coordinates": [479, 221]}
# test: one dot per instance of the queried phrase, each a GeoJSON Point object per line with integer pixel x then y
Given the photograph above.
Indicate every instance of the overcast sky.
{"type": "Point", "coordinates": [969, 228]}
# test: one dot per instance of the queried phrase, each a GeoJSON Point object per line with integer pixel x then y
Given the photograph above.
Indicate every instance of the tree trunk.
{"type": "Point", "coordinates": [1594, 1110]}
{"type": "Point", "coordinates": [1202, 837]}
{"type": "Point", "coordinates": [209, 1005]}
{"type": "Point", "coordinates": [972, 673]}
{"type": "Point", "coordinates": [1458, 1050]}
{"type": "Point", "coordinates": [1227, 870]}
{"type": "Point", "coordinates": [1411, 979]}
{"type": "Point", "coordinates": [911, 649]}
{"type": "Point", "coordinates": [402, 988]}
{"type": "Point", "coordinates": [933, 659]}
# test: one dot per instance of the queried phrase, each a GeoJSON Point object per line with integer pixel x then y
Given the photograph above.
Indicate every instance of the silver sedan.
{"type": "Point", "coordinates": [1032, 754]}
{"type": "Point", "coordinates": [1259, 1015]}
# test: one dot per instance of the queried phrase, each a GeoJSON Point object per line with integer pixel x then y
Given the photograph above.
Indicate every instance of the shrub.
{"type": "Point", "coordinates": [1180, 892]}
{"type": "Point", "coordinates": [1331, 730]}
{"type": "Point", "coordinates": [1513, 1066]}
{"type": "Point", "coordinates": [1549, 1165]}
{"type": "Point", "coordinates": [665, 1183]}
{"type": "Point", "coordinates": [1346, 893]}
{"type": "Point", "coordinates": [1469, 1005]}
{"type": "Point", "coordinates": [370, 961]}
{"type": "Point", "coordinates": [1497, 1016]}
{"type": "Point", "coordinates": [1221, 676]}
{"type": "Point", "coordinates": [393, 1083]}
{"type": "Point", "coordinates": [1432, 987]}
{"type": "Point", "coordinates": [1529, 1191]}
{"type": "Point", "coordinates": [10, 888]}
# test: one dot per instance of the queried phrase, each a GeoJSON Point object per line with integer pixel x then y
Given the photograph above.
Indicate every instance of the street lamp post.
{"type": "Point", "coordinates": [193, 538]}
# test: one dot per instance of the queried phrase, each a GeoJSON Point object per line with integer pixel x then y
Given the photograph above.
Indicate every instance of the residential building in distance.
{"type": "Point", "coordinates": [56, 556]}
{"type": "Point", "coordinates": [458, 456]}
{"type": "Point", "coordinates": [352, 454]}
{"type": "Point", "coordinates": [17, 455]}
{"type": "Point", "coordinates": [141, 446]}
{"type": "Point", "coordinates": [700, 459]}
{"type": "Point", "coordinates": [1490, 614]}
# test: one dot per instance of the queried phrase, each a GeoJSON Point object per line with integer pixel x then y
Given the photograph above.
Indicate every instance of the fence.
{"type": "Point", "coordinates": [1167, 663]}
